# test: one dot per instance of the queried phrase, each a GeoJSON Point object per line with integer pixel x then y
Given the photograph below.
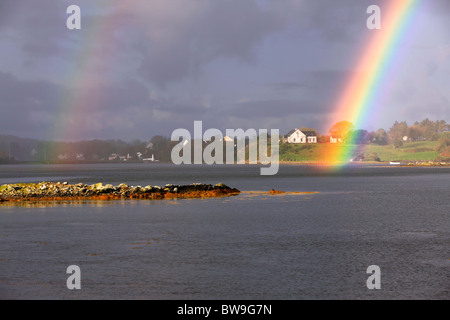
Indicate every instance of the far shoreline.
{"type": "Point", "coordinates": [389, 163]}
{"type": "Point", "coordinates": [417, 163]}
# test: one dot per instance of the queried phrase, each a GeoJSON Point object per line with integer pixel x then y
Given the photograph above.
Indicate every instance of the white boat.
{"type": "Point", "coordinates": [148, 160]}
{"type": "Point", "coordinates": [396, 163]}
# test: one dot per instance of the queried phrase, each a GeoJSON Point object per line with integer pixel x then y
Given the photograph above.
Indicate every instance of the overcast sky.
{"type": "Point", "coordinates": [139, 68]}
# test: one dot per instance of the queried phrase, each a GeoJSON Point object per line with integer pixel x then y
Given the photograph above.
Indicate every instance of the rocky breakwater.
{"type": "Point", "coordinates": [427, 164]}
{"type": "Point", "coordinates": [47, 191]}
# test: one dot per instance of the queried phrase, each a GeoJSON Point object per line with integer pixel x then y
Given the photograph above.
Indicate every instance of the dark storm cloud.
{"type": "Point", "coordinates": [213, 30]}
{"type": "Point", "coordinates": [439, 7]}
{"type": "Point", "coordinates": [28, 95]}
{"type": "Point", "coordinates": [285, 86]}
{"type": "Point", "coordinates": [112, 97]}
{"type": "Point", "coordinates": [36, 26]}
{"type": "Point", "coordinates": [274, 108]}
{"type": "Point", "coordinates": [31, 107]}
{"type": "Point", "coordinates": [330, 20]}
{"type": "Point", "coordinates": [167, 40]}
{"type": "Point", "coordinates": [20, 96]}
{"type": "Point", "coordinates": [325, 85]}
{"type": "Point", "coordinates": [193, 109]}
{"type": "Point", "coordinates": [172, 40]}
{"type": "Point", "coordinates": [25, 105]}
{"type": "Point", "coordinates": [161, 46]}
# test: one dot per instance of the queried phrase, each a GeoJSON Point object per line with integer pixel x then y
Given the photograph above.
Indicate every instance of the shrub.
{"type": "Point", "coordinates": [373, 156]}
{"type": "Point", "coordinates": [444, 143]}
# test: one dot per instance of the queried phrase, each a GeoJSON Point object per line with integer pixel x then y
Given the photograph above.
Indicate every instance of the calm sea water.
{"type": "Point", "coordinates": [251, 246]}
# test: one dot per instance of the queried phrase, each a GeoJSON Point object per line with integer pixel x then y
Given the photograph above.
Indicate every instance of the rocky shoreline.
{"type": "Point", "coordinates": [427, 164]}
{"type": "Point", "coordinates": [48, 191]}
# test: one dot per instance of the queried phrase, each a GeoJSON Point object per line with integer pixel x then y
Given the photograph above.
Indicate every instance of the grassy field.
{"type": "Point", "coordinates": [410, 151]}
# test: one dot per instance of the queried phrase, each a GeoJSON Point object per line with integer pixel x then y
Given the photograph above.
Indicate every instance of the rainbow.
{"type": "Point", "coordinates": [358, 100]}
{"type": "Point", "coordinates": [87, 67]}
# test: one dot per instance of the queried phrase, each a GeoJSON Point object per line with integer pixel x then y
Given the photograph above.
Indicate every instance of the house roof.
{"type": "Point", "coordinates": [309, 133]}
{"type": "Point", "coordinates": [290, 133]}
{"type": "Point", "coordinates": [306, 133]}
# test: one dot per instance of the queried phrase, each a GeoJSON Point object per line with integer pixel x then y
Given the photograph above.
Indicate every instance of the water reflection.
{"type": "Point", "coordinates": [98, 203]}
{"type": "Point", "coordinates": [67, 203]}
{"type": "Point", "coordinates": [245, 195]}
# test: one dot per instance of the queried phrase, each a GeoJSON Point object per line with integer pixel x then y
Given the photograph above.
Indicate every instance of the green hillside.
{"type": "Point", "coordinates": [410, 151]}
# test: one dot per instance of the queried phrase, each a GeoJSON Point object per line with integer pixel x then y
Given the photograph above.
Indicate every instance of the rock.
{"type": "Point", "coordinates": [136, 190]}
{"type": "Point", "coordinates": [273, 191]}
{"type": "Point", "coordinates": [108, 187]}
{"type": "Point", "coordinates": [58, 191]}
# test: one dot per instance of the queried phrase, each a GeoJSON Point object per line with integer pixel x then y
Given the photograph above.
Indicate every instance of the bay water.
{"type": "Point", "coordinates": [314, 242]}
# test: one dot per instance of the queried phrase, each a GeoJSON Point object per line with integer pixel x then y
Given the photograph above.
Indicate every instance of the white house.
{"type": "Point", "coordinates": [299, 136]}
{"type": "Point", "coordinates": [113, 157]}
{"type": "Point", "coordinates": [336, 139]}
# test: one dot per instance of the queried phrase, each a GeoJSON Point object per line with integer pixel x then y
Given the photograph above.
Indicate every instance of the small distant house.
{"type": "Point", "coordinates": [113, 157]}
{"type": "Point", "coordinates": [299, 136]}
{"type": "Point", "coordinates": [152, 159]}
{"type": "Point", "coordinates": [406, 138]}
{"type": "Point", "coordinates": [125, 158]}
{"type": "Point", "coordinates": [336, 139]}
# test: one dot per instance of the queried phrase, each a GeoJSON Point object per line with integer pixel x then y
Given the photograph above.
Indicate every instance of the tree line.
{"type": "Point", "coordinates": [13, 149]}
{"type": "Point", "coordinates": [399, 133]}
{"type": "Point", "coordinates": [160, 147]}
